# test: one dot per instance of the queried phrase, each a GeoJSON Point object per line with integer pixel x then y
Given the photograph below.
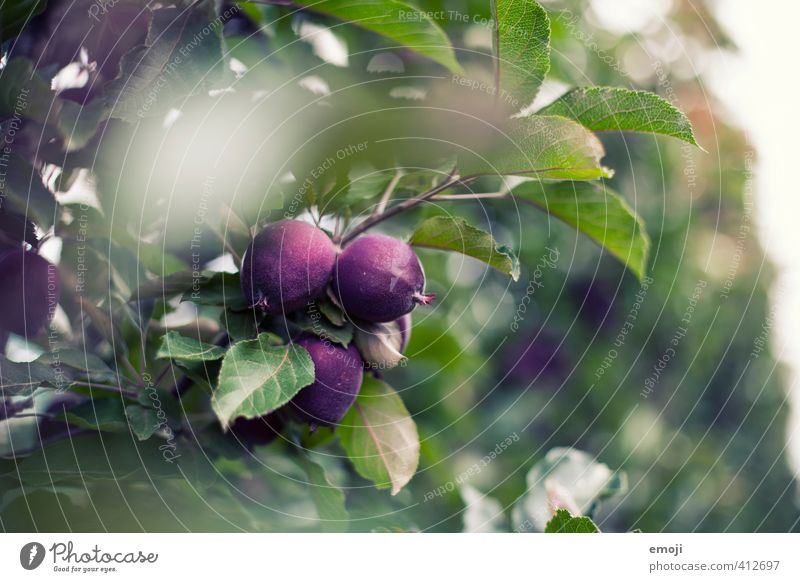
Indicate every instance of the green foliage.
{"type": "Point", "coordinates": [25, 92]}
{"type": "Point", "coordinates": [448, 233]}
{"type": "Point", "coordinates": [598, 212]}
{"type": "Point", "coordinates": [15, 14]}
{"type": "Point", "coordinates": [328, 499]}
{"type": "Point", "coordinates": [23, 377]}
{"type": "Point", "coordinates": [103, 414]}
{"type": "Point", "coordinates": [521, 39]}
{"type": "Point", "coordinates": [221, 289]}
{"type": "Point", "coordinates": [615, 109]}
{"type": "Point", "coordinates": [380, 437]}
{"type": "Point", "coordinates": [547, 147]}
{"type": "Point", "coordinates": [563, 522]}
{"type": "Point", "coordinates": [182, 55]}
{"type": "Point", "coordinates": [457, 376]}
{"type": "Point", "coordinates": [178, 347]}
{"type": "Point", "coordinates": [257, 378]}
{"type": "Point", "coordinates": [143, 421]}
{"type": "Point", "coordinates": [25, 194]}
{"type": "Point", "coordinates": [398, 21]}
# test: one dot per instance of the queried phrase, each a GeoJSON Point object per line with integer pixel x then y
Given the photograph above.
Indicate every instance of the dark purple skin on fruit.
{"type": "Point", "coordinates": [253, 432]}
{"type": "Point", "coordinates": [378, 278]}
{"type": "Point", "coordinates": [29, 292]}
{"type": "Point", "coordinates": [339, 372]}
{"type": "Point", "coordinates": [288, 264]}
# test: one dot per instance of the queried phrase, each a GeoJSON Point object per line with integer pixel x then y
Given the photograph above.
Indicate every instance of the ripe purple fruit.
{"type": "Point", "coordinates": [29, 292]}
{"type": "Point", "coordinates": [378, 278]}
{"type": "Point", "coordinates": [288, 264]}
{"type": "Point", "coordinates": [252, 432]}
{"type": "Point", "coordinates": [338, 374]}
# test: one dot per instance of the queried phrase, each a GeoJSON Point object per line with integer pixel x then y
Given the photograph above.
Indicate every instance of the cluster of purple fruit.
{"type": "Point", "coordinates": [29, 291]}
{"type": "Point", "coordinates": [376, 280]}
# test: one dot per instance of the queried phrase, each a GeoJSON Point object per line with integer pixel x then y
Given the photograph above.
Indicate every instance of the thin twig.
{"type": "Point", "coordinates": [477, 196]}
{"type": "Point", "coordinates": [387, 194]}
{"type": "Point", "coordinates": [406, 205]}
{"type": "Point", "coordinates": [271, 2]}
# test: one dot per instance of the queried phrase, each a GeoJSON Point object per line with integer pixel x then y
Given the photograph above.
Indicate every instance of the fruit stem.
{"type": "Point", "coordinates": [424, 298]}
{"type": "Point", "coordinates": [406, 205]}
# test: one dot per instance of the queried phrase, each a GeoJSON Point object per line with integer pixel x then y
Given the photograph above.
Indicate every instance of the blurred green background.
{"type": "Point", "coordinates": [701, 437]}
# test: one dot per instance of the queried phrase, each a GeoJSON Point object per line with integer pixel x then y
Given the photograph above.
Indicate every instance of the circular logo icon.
{"type": "Point", "coordinates": [31, 555]}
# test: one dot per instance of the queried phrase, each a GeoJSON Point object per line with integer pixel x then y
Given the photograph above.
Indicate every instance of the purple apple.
{"type": "Point", "coordinates": [288, 264]}
{"type": "Point", "coordinates": [338, 372]}
{"type": "Point", "coordinates": [252, 432]}
{"type": "Point", "coordinates": [379, 279]}
{"type": "Point", "coordinates": [29, 292]}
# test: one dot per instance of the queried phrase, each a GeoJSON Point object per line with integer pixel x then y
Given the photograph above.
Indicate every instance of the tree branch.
{"type": "Point", "coordinates": [406, 205]}
{"type": "Point", "coordinates": [476, 196]}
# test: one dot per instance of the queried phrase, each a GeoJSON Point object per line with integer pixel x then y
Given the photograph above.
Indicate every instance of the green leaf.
{"type": "Point", "coordinates": [360, 191]}
{"type": "Point", "coordinates": [104, 414]}
{"type": "Point", "coordinates": [155, 260]}
{"type": "Point", "coordinates": [563, 522]}
{"type": "Point", "coordinates": [143, 421]}
{"type": "Point", "coordinates": [16, 14]}
{"type": "Point", "coordinates": [182, 55]}
{"type": "Point", "coordinates": [25, 194]}
{"type": "Point", "coordinates": [522, 50]}
{"type": "Point", "coordinates": [547, 147]}
{"type": "Point", "coordinates": [177, 347]}
{"type": "Point", "coordinates": [313, 321]}
{"type": "Point", "coordinates": [380, 436]}
{"type": "Point", "coordinates": [398, 21]}
{"type": "Point", "coordinates": [77, 123]}
{"type": "Point", "coordinates": [257, 377]}
{"type": "Point", "coordinates": [616, 109]}
{"type": "Point", "coordinates": [57, 369]}
{"type": "Point", "coordinates": [598, 212]}
{"type": "Point", "coordinates": [18, 378]}
{"type": "Point", "coordinates": [102, 322]}
{"type": "Point", "coordinates": [25, 93]}
{"type": "Point", "coordinates": [241, 325]}
{"type": "Point", "coordinates": [81, 364]}
{"type": "Point", "coordinates": [169, 286]}
{"type": "Point", "coordinates": [221, 290]}
{"type": "Point", "coordinates": [328, 498]}
{"type": "Point", "coordinates": [331, 312]}
{"type": "Point", "coordinates": [447, 233]}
